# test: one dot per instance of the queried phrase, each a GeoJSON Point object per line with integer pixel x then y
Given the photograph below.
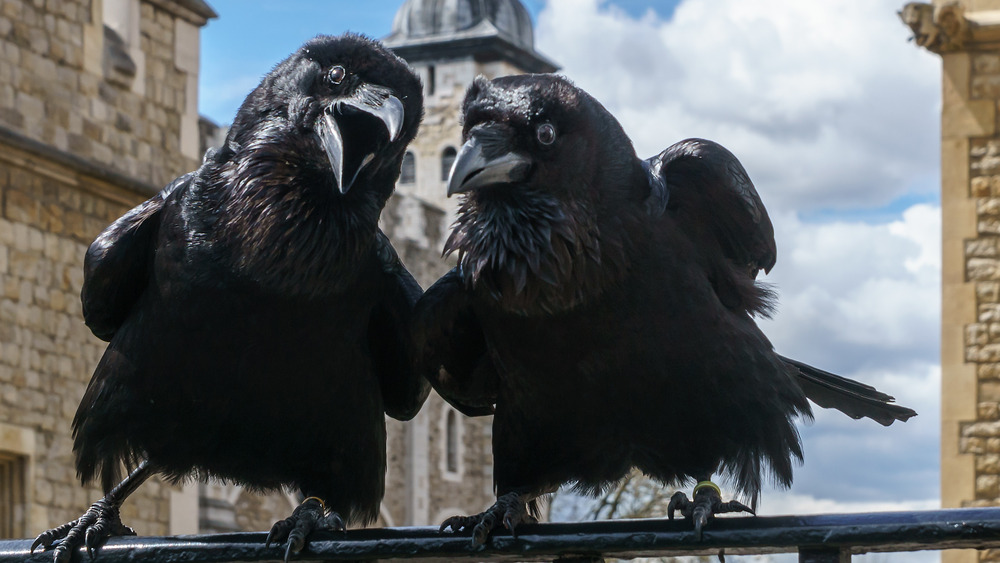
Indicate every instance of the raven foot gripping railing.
{"type": "Point", "coordinates": [825, 538]}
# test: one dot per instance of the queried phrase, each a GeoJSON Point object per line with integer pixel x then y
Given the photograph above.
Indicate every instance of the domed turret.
{"type": "Point", "coordinates": [425, 18]}
{"type": "Point", "coordinates": [449, 29]}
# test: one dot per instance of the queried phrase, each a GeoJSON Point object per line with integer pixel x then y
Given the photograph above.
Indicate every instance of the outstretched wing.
{"type": "Point", "coordinates": [714, 197]}
{"type": "Point", "coordinates": [403, 388]}
{"type": "Point", "coordinates": [450, 348]}
{"type": "Point", "coordinates": [117, 266]}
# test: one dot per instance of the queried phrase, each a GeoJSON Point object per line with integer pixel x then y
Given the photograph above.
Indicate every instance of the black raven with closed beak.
{"type": "Point", "coordinates": [602, 309]}
{"type": "Point", "coordinates": [256, 316]}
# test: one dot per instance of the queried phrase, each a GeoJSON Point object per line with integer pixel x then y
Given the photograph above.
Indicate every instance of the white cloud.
{"type": "Point", "coordinates": [796, 504]}
{"type": "Point", "coordinates": [850, 287]}
{"type": "Point", "coordinates": [864, 301]}
{"type": "Point", "coordinates": [826, 103]}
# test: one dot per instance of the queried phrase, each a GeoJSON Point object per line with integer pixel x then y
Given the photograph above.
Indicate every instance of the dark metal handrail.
{"type": "Point", "coordinates": [818, 538]}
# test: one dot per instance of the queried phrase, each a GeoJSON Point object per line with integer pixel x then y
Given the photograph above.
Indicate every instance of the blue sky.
{"type": "Point", "coordinates": [834, 114]}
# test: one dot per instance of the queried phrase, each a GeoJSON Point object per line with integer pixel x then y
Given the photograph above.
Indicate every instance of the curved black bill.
{"type": "Point", "coordinates": [352, 115]}
{"type": "Point", "coordinates": [473, 169]}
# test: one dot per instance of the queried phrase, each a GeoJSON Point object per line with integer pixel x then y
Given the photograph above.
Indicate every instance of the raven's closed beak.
{"type": "Point", "coordinates": [483, 161]}
{"type": "Point", "coordinates": [350, 117]}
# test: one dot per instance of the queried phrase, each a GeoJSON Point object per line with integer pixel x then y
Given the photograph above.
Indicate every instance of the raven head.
{"type": "Point", "coordinates": [545, 174]}
{"type": "Point", "coordinates": [361, 102]}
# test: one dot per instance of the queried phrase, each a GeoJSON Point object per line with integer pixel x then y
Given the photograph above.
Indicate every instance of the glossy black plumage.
{"type": "Point", "coordinates": [256, 316]}
{"type": "Point", "coordinates": [603, 306]}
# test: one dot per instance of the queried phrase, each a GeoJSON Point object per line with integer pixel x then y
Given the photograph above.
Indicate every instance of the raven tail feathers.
{"type": "Point", "coordinates": [853, 398]}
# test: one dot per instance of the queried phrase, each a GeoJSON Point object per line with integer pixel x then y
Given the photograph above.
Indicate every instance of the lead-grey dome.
{"type": "Point", "coordinates": [420, 19]}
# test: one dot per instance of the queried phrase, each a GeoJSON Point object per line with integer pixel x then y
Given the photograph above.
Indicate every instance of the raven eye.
{"type": "Point", "coordinates": [336, 74]}
{"type": "Point", "coordinates": [546, 133]}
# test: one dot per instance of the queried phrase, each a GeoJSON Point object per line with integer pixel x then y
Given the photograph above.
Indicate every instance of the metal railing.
{"type": "Point", "coordinates": [824, 538]}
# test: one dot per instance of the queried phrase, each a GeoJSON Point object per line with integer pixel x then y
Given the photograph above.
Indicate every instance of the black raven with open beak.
{"type": "Point", "coordinates": [603, 306]}
{"type": "Point", "coordinates": [257, 318]}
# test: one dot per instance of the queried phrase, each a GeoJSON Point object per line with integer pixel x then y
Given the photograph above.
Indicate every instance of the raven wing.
{"type": "Point", "coordinates": [706, 188]}
{"type": "Point", "coordinates": [117, 266]}
{"type": "Point", "coordinates": [716, 198]}
{"type": "Point", "coordinates": [450, 348]}
{"type": "Point", "coordinates": [403, 388]}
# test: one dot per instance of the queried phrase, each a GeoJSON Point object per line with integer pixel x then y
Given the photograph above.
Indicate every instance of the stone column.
{"type": "Point", "coordinates": [966, 35]}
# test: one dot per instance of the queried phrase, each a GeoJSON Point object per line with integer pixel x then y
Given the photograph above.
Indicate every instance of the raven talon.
{"type": "Point", "coordinates": [48, 537]}
{"type": "Point", "coordinates": [334, 522]}
{"type": "Point", "coordinates": [509, 509]}
{"type": "Point", "coordinates": [459, 524]}
{"type": "Point", "coordinates": [706, 504]}
{"type": "Point", "coordinates": [279, 531]}
{"type": "Point", "coordinates": [101, 521]}
{"type": "Point", "coordinates": [306, 518]}
{"type": "Point", "coordinates": [679, 501]}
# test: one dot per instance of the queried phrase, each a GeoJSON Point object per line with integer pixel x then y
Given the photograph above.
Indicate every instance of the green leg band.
{"type": "Point", "coordinates": [706, 485]}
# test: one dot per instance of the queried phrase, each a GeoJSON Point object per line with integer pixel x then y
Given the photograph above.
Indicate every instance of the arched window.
{"type": "Point", "coordinates": [408, 173]}
{"type": "Point", "coordinates": [452, 446]}
{"type": "Point", "coordinates": [447, 159]}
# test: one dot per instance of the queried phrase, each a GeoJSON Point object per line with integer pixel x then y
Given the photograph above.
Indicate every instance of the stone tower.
{"type": "Point", "coordinates": [966, 34]}
{"type": "Point", "coordinates": [447, 461]}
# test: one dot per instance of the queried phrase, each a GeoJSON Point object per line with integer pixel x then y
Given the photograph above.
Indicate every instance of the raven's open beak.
{"type": "Point", "coordinates": [485, 160]}
{"type": "Point", "coordinates": [350, 117]}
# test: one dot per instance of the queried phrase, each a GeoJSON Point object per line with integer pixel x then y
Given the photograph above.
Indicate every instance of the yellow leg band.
{"type": "Point", "coordinates": [706, 485]}
{"type": "Point", "coordinates": [321, 503]}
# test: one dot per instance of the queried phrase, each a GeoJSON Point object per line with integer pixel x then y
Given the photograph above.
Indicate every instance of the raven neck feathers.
{"type": "Point", "coordinates": [536, 255]}
{"type": "Point", "coordinates": [284, 225]}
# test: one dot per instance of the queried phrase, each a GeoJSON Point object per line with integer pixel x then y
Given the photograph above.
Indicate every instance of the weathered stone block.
{"type": "Point", "coordinates": [987, 292]}
{"type": "Point", "coordinates": [89, 86]}
{"type": "Point", "coordinates": [977, 269]}
{"type": "Point", "coordinates": [32, 108]}
{"type": "Point", "coordinates": [80, 144]}
{"type": "Point", "coordinates": [989, 313]}
{"type": "Point", "coordinates": [976, 334]}
{"type": "Point", "coordinates": [987, 486]}
{"type": "Point", "coordinates": [980, 186]}
{"type": "Point", "coordinates": [38, 39]}
{"type": "Point", "coordinates": [93, 131]}
{"type": "Point", "coordinates": [12, 117]}
{"type": "Point", "coordinates": [988, 206]}
{"type": "Point", "coordinates": [989, 164]}
{"type": "Point", "coordinates": [982, 429]}
{"type": "Point", "coordinates": [981, 247]}
{"type": "Point", "coordinates": [22, 208]}
{"type": "Point", "coordinates": [986, 63]}
{"type": "Point", "coordinates": [989, 390]}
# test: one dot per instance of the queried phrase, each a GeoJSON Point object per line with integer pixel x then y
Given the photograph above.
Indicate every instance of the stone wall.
{"type": "Point", "coordinates": [57, 86]}
{"type": "Point", "coordinates": [970, 284]}
{"type": "Point", "coordinates": [469, 489]}
{"type": "Point", "coordinates": [418, 219]}
{"type": "Point", "coordinates": [980, 437]}
{"type": "Point", "coordinates": [419, 490]}
{"type": "Point", "coordinates": [48, 217]}
{"type": "Point", "coordinates": [89, 127]}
